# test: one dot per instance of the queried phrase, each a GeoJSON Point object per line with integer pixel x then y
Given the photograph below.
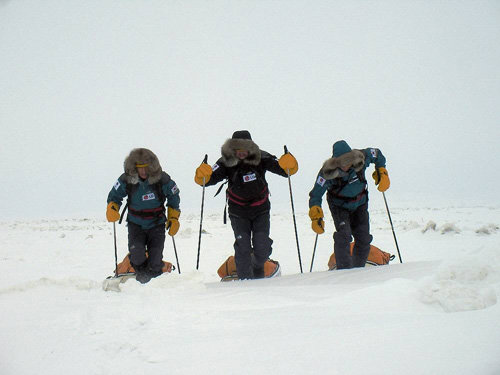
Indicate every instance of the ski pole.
{"type": "Point", "coordinates": [392, 226]}
{"type": "Point", "coordinates": [176, 258]}
{"type": "Point", "coordinates": [201, 216]}
{"type": "Point", "coordinates": [293, 214]}
{"type": "Point", "coordinates": [314, 252]}
{"type": "Point", "coordinates": [175, 250]}
{"type": "Point", "coordinates": [116, 251]}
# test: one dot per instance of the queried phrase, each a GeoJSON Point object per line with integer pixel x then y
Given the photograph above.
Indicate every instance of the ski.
{"type": "Point", "coordinates": [112, 283]}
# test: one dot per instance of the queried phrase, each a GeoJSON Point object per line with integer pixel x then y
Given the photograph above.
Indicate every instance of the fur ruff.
{"type": "Point", "coordinates": [228, 152]}
{"type": "Point", "coordinates": [331, 167]}
{"type": "Point", "coordinates": [142, 156]}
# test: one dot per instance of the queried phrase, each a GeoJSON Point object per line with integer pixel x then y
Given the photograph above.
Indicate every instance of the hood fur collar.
{"type": "Point", "coordinates": [331, 167]}
{"type": "Point", "coordinates": [142, 156]}
{"type": "Point", "coordinates": [228, 152]}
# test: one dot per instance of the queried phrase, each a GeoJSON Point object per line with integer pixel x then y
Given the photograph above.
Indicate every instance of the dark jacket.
{"type": "Point", "coordinates": [146, 197]}
{"type": "Point", "coordinates": [247, 192]}
{"type": "Point", "coordinates": [345, 189]}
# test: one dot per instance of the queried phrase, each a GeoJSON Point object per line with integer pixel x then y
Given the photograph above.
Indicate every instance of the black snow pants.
{"type": "Point", "coordinates": [252, 245]}
{"type": "Point", "coordinates": [350, 224]}
{"type": "Point", "coordinates": [151, 241]}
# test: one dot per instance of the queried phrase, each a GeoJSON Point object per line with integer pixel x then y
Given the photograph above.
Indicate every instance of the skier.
{"type": "Point", "coordinates": [343, 177]}
{"type": "Point", "coordinates": [147, 188]}
{"type": "Point", "coordinates": [244, 165]}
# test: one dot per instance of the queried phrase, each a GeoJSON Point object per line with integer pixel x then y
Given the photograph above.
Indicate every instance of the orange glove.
{"type": "Point", "coordinates": [381, 177]}
{"type": "Point", "coordinates": [112, 212]}
{"type": "Point", "coordinates": [203, 173]}
{"type": "Point", "coordinates": [172, 223]}
{"type": "Point", "coordinates": [288, 163]}
{"type": "Point", "coordinates": [317, 223]}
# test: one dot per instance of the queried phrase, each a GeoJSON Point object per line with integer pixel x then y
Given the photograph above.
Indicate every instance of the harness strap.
{"type": "Point", "coordinates": [350, 199]}
{"type": "Point", "coordinates": [150, 213]}
{"type": "Point", "coordinates": [220, 187]}
{"type": "Point", "coordinates": [343, 184]}
{"type": "Point", "coordinates": [264, 194]}
{"type": "Point", "coordinates": [122, 215]}
{"type": "Point", "coordinates": [225, 213]}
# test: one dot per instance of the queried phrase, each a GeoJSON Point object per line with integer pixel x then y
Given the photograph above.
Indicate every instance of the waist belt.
{"type": "Point", "coordinates": [151, 213]}
{"type": "Point", "coordinates": [263, 196]}
{"type": "Point", "coordinates": [349, 199]}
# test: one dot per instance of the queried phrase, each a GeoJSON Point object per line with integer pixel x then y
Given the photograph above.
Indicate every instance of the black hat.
{"type": "Point", "coordinates": [241, 134]}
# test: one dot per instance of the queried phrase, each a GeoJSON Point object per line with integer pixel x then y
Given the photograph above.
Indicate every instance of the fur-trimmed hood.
{"type": "Point", "coordinates": [331, 167]}
{"type": "Point", "coordinates": [228, 152]}
{"type": "Point", "coordinates": [142, 156]}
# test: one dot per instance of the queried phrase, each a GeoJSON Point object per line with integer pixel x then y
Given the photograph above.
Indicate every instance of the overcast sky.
{"type": "Point", "coordinates": [84, 82]}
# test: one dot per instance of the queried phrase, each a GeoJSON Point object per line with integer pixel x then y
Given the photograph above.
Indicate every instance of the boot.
{"type": "Point", "coordinates": [258, 272]}
{"type": "Point", "coordinates": [143, 277]}
{"type": "Point", "coordinates": [142, 273]}
{"type": "Point", "coordinates": [156, 273]}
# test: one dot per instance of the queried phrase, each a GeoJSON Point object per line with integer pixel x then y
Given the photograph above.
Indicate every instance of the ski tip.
{"type": "Point", "coordinates": [111, 285]}
{"type": "Point", "coordinates": [229, 278]}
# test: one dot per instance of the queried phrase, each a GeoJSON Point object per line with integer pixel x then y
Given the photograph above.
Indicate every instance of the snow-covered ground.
{"type": "Point", "coordinates": [84, 82]}
{"type": "Point", "coordinates": [437, 313]}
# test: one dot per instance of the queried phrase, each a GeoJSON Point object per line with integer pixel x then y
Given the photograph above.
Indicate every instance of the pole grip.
{"type": "Point", "coordinates": [205, 159]}
{"type": "Point", "coordinates": [285, 149]}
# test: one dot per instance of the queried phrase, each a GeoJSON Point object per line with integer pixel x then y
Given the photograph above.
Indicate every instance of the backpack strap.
{"type": "Point", "coordinates": [128, 189]}
{"type": "Point", "coordinates": [220, 188]}
{"type": "Point", "coordinates": [224, 220]}
{"type": "Point", "coordinates": [157, 187]}
{"type": "Point", "coordinates": [241, 201]}
{"type": "Point", "coordinates": [335, 191]}
{"type": "Point", "coordinates": [165, 179]}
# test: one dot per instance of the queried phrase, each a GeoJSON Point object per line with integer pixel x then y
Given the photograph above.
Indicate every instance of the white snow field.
{"type": "Point", "coordinates": [437, 313]}
{"type": "Point", "coordinates": [84, 82]}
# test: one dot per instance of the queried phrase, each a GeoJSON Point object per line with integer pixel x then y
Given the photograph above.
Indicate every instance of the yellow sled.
{"type": "Point", "coordinates": [126, 267]}
{"type": "Point", "coordinates": [124, 272]}
{"type": "Point", "coordinates": [227, 271]}
{"type": "Point", "coordinates": [376, 257]}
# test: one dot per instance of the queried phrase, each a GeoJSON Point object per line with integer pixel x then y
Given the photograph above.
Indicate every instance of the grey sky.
{"type": "Point", "coordinates": [82, 83]}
